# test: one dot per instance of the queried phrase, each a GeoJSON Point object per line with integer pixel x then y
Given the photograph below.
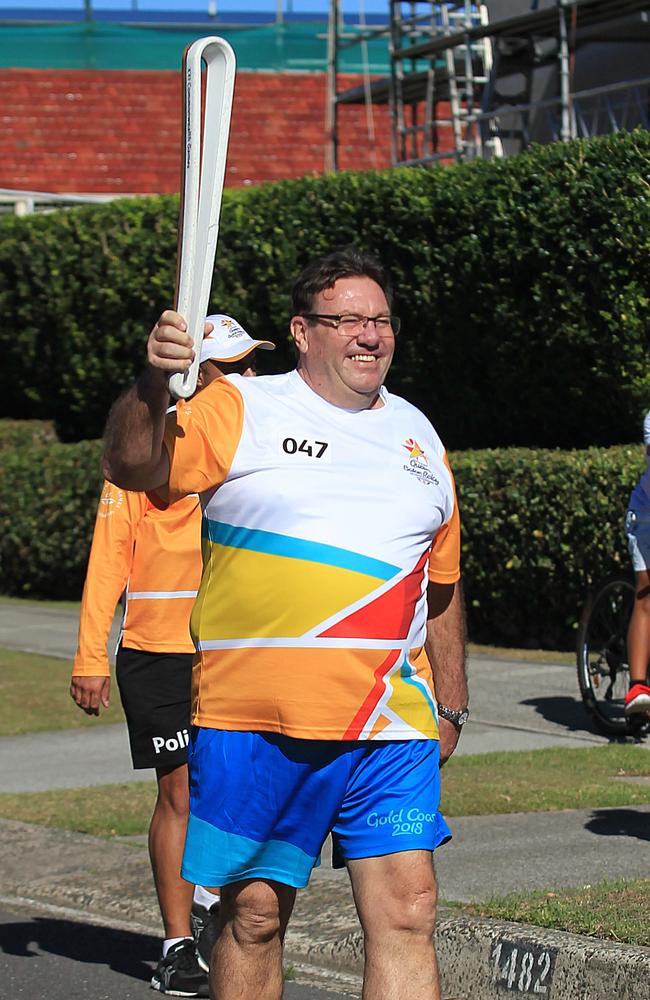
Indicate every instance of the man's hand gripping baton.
{"type": "Point", "coordinates": [203, 178]}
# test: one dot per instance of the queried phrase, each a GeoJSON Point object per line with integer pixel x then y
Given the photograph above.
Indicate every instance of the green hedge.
{"type": "Point", "coordinates": [538, 528]}
{"type": "Point", "coordinates": [83, 286]}
{"type": "Point", "coordinates": [522, 284]}
{"type": "Point", "coordinates": [48, 501]}
{"type": "Point", "coordinates": [18, 434]}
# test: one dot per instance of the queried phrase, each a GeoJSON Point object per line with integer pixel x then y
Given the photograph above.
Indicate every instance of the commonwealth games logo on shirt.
{"type": "Point", "coordinates": [414, 449]}
{"type": "Point", "coordinates": [418, 464]}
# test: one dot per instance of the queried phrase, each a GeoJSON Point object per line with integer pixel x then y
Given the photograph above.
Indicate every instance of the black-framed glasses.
{"type": "Point", "coordinates": [350, 324]}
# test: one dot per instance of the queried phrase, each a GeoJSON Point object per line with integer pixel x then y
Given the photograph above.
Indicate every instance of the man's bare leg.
{"type": "Point", "coordinates": [247, 957]}
{"type": "Point", "coordinates": [166, 842]}
{"type": "Point", "coordinates": [396, 898]}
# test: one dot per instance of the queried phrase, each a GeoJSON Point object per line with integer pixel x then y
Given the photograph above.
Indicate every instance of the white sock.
{"type": "Point", "coordinates": [168, 942]}
{"type": "Point", "coordinates": [204, 897]}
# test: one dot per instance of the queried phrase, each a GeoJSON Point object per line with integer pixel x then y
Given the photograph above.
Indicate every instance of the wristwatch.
{"type": "Point", "coordinates": [458, 716]}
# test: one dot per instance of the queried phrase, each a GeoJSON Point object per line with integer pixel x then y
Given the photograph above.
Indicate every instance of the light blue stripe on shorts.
{"type": "Point", "coordinates": [218, 858]}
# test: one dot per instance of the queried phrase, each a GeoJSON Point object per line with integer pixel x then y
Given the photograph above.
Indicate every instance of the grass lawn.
{"type": "Point", "coordinates": [34, 696]}
{"type": "Point", "coordinates": [521, 655]}
{"type": "Point", "coordinates": [542, 780]}
{"type": "Point", "coordinates": [616, 911]}
{"type": "Point", "coordinates": [102, 810]}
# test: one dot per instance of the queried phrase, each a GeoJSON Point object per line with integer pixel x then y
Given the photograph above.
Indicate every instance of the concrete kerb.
{"type": "Point", "coordinates": [481, 959]}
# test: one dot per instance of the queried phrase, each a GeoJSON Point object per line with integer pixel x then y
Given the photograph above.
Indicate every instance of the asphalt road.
{"type": "Point", "coordinates": [46, 957]}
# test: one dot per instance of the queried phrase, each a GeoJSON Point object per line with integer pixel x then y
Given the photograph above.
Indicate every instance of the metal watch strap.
{"type": "Point", "coordinates": [458, 716]}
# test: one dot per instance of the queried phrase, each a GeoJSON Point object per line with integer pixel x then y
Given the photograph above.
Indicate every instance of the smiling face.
{"type": "Point", "coordinates": [346, 370]}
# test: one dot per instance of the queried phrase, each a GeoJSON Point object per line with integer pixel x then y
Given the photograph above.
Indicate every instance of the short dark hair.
{"type": "Point", "coordinates": [323, 272]}
{"type": "Point", "coordinates": [237, 367]}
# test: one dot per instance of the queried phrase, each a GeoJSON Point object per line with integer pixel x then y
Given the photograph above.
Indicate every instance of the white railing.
{"type": "Point", "coordinates": [28, 202]}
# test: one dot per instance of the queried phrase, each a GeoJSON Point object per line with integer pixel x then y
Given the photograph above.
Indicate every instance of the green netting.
{"type": "Point", "coordinates": [106, 46]}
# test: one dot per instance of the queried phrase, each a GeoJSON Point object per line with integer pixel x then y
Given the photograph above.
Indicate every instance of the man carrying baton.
{"type": "Point", "coordinates": [331, 562]}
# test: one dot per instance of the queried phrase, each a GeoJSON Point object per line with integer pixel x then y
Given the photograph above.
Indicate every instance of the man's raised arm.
{"type": "Point", "coordinates": [134, 456]}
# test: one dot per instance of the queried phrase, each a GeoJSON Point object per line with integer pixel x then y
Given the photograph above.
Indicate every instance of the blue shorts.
{"type": "Point", "coordinates": [637, 529]}
{"type": "Point", "coordinates": [262, 805]}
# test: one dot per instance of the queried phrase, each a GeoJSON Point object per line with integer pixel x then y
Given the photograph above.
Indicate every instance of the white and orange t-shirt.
{"type": "Point", "coordinates": [156, 555]}
{"type": "Point", "coordinates": [321, 527]}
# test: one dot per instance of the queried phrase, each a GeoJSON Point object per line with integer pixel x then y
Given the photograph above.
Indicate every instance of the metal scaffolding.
{"type": "Point", "coordinates": [471, 79]}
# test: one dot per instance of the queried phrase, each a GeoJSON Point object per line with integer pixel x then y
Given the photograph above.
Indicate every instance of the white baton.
{"type": "Point", "coordinates": [202, 188]}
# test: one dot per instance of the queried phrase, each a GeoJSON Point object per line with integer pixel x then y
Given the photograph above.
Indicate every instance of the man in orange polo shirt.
{"type": "Point", "coordinates": [153, 556]}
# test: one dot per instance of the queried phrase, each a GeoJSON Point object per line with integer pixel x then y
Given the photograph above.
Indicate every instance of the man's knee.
{"type": "Point", "coordinates": [407, 906]}
{"type": "Point", "coordinates": [253, 911]}
{"type": "Point", "coordinates": [413, 911]}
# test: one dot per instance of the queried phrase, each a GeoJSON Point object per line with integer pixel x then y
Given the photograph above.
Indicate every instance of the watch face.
{"type": "Point", "coordinates": [462, 718]}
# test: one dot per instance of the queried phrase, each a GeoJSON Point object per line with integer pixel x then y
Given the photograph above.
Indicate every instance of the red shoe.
{"type": "Point", "coordinates": [637, 699]}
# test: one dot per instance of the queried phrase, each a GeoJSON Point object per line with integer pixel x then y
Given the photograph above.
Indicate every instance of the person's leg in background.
{"type": "Point", "coordinates": [638, 646]}
{"type": "Point", "coordinates": [178, 971]}
{"type": "Point", "coordinates": [155, 693]}
{"type": "Point", "coordinates": [166, 841]}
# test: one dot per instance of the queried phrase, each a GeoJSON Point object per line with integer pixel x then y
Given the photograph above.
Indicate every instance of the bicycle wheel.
{"type": "Point", "coordinates": [603, 673]}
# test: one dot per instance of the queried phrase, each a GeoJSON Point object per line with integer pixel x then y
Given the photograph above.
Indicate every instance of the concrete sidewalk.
{"type": "Point", "coordinates": [67, 758]}
{"type": "Point", "coordinates": [42, 627]}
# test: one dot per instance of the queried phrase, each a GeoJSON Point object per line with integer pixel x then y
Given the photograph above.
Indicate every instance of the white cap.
{"type": "Point", "coordinates": [228, 341]}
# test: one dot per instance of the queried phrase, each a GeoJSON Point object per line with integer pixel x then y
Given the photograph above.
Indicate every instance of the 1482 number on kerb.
{"type": "Point", "coordinates": [521, 967]}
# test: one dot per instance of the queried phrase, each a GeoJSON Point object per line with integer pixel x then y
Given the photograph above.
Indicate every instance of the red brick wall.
{"type": "Point", "coordinates": [119, 131]}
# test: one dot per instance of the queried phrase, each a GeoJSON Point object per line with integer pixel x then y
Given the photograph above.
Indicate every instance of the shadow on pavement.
{"type": "Point", "coordinates": [564, 711]}
{"type": "Point", "coordinates": [619, 823]}
{"type": "Point", "coordinates": [123, 951]}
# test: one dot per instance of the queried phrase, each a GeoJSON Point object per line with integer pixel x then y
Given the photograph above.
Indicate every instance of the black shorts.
{"type": "Point", "coordinates": [156, 692]}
